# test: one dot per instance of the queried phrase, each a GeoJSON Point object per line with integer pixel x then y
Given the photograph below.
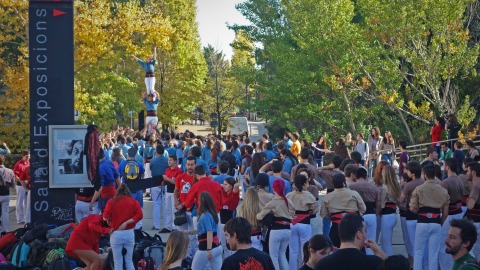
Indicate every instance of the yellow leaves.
{"type": "Point", "coordinates": [423, 109]}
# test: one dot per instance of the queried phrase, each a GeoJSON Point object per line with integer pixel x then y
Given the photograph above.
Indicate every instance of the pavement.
{"type": "Point", "coordinates": [398, 244]}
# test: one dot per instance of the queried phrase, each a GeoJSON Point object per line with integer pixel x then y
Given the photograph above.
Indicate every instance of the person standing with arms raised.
{"type": "Point", "coordinates": [149, 67]}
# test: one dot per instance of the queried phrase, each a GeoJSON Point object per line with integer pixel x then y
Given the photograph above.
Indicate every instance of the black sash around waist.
{"type": "Point", "coordinates": [281, 223]}
{"type": "Point", "coordinates": [390, 208]}
{"type": "Point", "coordinates": [429, 215]}
{"type": "Point", "coordinates": [370, 208]}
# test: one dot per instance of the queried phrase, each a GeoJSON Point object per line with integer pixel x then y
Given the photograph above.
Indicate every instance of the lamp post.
{"type": "Point", "coordinates": [131, 118]}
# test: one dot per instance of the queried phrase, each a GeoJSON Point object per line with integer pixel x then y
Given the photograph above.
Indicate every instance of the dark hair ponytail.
{"type": "Point", "coordinates": [317, 242]}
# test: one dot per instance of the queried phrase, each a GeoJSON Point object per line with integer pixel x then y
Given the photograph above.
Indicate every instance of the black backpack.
{"type": "Point", "coordinates": [39, 232]}
{"type": "Point", "coordinates": [60, 264]}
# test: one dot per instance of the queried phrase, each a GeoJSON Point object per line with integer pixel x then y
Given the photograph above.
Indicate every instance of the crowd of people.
{"type": "Point", "coordinates": [230, 203]}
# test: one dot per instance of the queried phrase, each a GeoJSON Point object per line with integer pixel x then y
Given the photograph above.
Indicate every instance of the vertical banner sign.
{"type": "Point", "coordinates": [51, 102]}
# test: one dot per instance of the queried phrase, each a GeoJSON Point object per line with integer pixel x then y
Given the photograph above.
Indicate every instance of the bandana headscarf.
{"type": "Point", "coordinates": [279, 188]}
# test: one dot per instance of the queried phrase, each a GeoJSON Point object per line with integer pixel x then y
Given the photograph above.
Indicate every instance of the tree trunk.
{"type": "Point", "coordinates": [407, 127]}
{"type": "Point", "coordinates": [353, 129]}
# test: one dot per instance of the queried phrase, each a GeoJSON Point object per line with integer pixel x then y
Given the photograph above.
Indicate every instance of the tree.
{"type": "Point", "coordinates": [243, 66]}
{"type": "Point", "coordinates": [223, 93]}
{"type": "Point", "coordinates": [181, 66]}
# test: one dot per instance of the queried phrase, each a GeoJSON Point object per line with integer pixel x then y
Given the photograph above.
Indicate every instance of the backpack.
{"type": "Point", "coordinates": [466, 263]}
{"type": "Point", "coordinates": [156, 252]}
{"type": "Point", "coordinates": [53, 255]}
{"type": "Point", "coordinates": [60, 264]}
{"type": "Point", "coordinates": [20, 254]}
{"type": "Point", "coordinates": [61, 231]}
{"type": "Point", "coordinates": [7, 239]}
{"type": "Point", "coordinates": [132, 170]}
{"type": "Point", "coordinates": [147, 264]}
{"type": "Point", "coordinates": [39, 232]}
{"type": "Point", "coordinates": [38, 252]}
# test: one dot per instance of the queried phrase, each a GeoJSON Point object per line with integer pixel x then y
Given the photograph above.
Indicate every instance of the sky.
{"type": "Point", "coordinates": [212, 18]}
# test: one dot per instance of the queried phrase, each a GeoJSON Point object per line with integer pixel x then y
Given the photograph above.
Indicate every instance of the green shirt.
{"type": "Point", "coordinates": [467, 257]}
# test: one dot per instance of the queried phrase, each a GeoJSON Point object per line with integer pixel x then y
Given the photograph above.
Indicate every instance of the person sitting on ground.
{"type": "Point", "coordinates": [351, 231]}
{"type": "Point", "coordinates": [237, 232]}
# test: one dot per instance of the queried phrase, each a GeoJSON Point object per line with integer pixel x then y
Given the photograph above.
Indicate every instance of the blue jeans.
{"type": "Point", "coordinates": [319, 162]}
{"type": "Point", "coordinates": [118, 241]}
{"type": "Point", "coordinates": [387, 158]}
{"type": "Point", "coordinates": [327, 224]}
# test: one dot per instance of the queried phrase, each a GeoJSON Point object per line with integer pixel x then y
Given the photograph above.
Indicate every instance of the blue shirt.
{"type": "Point", "coordinates": [124, 148]}
{"type": "Point", "coordinates": [3, 151]}
{"type": "Point", "coordinates": [269, 155]}
{"type": "Point", "coordinates": [288, 144]}
{"type": "Point", "coordinates": [288, 187]}
{"type": "Point", "coordinates": [206, 223]}
{"type": "Point", "coordinates": [220, 178]}
{"type": "Point", "coordinates": [207, 157]}
{"type": "Point", "coordinates": [108, 174]}
{"type": "Point", "coordinates": [151, 105]}
{"type": "Point", "coordinates": [238, 156]}
{"type": "Point", "coordinates": [172, 151]}
{"type": "Point", "coordinates": [121, 168]}
{"type": "Point", "coordinates": [287, 165]}
{"type": "Point", "coordinates": [158, 165]}
{"type": "Point", "coordinates": [149, 67]}
{"type": "Point", "coordinates": [204, 164]}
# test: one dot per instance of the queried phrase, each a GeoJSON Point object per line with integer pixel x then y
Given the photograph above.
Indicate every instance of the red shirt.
{"type": "Point", "coordinates": [436, 134]}
{"type": "Point", "coordinates": [205, 184]}
{"type": "Point", "coordinates": [230, 200]}
{"type": "Point", "coordinates": [172, 173]}
{"type": "Point", "coordinates": [21, 169]}
{"type": "Point", "coordinates": [183, 183]}
{"type": "Point", "coordinates": [121, 209]}
{"type": "Point", "coordinates": [86, 235]}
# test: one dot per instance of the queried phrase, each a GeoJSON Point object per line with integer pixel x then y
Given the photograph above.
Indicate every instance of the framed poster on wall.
{"type": "Point", "coordinates": [68, 167]}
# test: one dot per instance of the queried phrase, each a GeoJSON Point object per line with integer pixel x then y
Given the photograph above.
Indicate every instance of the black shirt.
{"type": "Point", "coordinates": [251, 258]}
{"type": "Point", "coordinates": [85, 192]}
{"type": "Point", "coordinates": [305, 267]}
{"type": "Point", "coordinates": [349, 259]}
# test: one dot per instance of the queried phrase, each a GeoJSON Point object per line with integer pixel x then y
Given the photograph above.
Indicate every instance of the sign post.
{"type": "Point", "coordinates": [51, 102]}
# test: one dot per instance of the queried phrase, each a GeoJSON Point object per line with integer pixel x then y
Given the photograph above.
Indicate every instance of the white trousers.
{"type": "Point", "coordinates": [388, 223]}
{"type": "Point", "coordinates": [148, 171]}
{"type": "Point", "coordinates": [200, 259]}
{"type": "Point", "coordinates": [411, 228]}
{"type": "Point", "coordinates": [279, 240]}
{"type": "Point", "coordinates": [28, 212]}
{"type": "Point", "coordinates": [193, 245]}
{"type": "Point", "coordinates": [223, 241]}
{"type": "Point", "coordinates": [21, 206]}
{"type": "Point", "coordinates": [431, 233]}
{"type": "Point", "coordinates": [445, 260]}
{"type": "Point", "coordinates": [119, 240]}
{"type": "Point", "coordinates": [300, 233]}
{"type": "Point", "coordinates": [158, 199]}
{"type": "Point", "coordinates": [257, 242]}
{"type": "Point", "coordinates": [5, 200]}
{"type": "Point", "coordinates": [168, 210]}
{"type": "Point", "coordinates": [82, 210]}
{"type": "Point", "coordinates": [406, 238]}
{"type": "Point", "coordinates": [371, 229]}
{"type": "Point", "coordinates": [150, 84]}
